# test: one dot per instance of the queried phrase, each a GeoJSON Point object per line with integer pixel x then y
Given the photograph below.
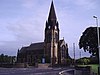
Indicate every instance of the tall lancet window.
{"type": "Point", "coordinates": [49, 37]}
{"type": "Point", "coordinates": [56, 37]}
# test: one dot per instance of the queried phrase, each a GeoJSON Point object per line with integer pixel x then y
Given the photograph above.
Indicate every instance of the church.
{"type": "Point", "coordinates": [52, 50]}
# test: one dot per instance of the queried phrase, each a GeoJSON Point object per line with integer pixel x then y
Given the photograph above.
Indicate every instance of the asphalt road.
{"type": "Point", "coordinates": [31, 71]}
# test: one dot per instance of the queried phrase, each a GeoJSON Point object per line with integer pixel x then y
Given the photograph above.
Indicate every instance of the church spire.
{"type": "Point", "coordinates": [52, 14]}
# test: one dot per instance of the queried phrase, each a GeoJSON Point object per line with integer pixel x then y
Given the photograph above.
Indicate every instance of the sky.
{"type": "Point", "coordinates": [22, 22]}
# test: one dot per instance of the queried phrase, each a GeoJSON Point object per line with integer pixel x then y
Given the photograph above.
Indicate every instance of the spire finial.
{"type": "Point", "coordinates": [52, 0]}
{"type": "Point", "coordinates": [52, 14]}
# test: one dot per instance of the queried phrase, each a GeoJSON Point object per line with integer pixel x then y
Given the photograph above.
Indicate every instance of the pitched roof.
{"type": "Point", "coordinates": [23, 49]}
{"type": "Point", "coordinates": [33, 46]}
{"type": "Point", "coordinates": [36, 46]}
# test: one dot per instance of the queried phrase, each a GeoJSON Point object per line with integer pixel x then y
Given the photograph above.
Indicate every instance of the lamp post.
{"type": "Point", "coordinates": [98, 40]}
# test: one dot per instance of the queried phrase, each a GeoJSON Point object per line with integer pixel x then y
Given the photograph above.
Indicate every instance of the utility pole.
{"type": "Point", "coordinates": [74, 52]}
{"type": "Point", "coordinates": [80, 56]}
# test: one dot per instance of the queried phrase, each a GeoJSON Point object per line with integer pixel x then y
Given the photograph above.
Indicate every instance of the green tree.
{"type": "Point", "coordinates": [88, 41]}
{"type": "Point", "coordinates": [7, 59]}
{"type": "Point", "coordinates": [2, 58]}
{"type": "Point", "coordinates": [69, 61]}
{"type": "Point", "coordinates": [86, 61]}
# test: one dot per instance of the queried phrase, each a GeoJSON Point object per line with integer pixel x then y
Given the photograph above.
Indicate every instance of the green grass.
{"type": "Point", "coordinates": [94, 67]}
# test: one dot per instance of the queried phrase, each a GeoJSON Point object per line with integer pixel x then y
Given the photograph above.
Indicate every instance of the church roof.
{"type": "Point", "coordinates": [23, 49]}
{"type": "Point", "coordinates": [52, 14]}
{"type": "Point", "coordinates": [33, 46]}
{"type": "Point", "coordinates": [36, 46]}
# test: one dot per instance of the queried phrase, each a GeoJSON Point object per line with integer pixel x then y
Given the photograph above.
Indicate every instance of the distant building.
{"type": "Point", "coordinates": [54, 51]}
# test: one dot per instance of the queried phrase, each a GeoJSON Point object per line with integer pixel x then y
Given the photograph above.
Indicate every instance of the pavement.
{"type": "Point", "coordinates": [31, 71]}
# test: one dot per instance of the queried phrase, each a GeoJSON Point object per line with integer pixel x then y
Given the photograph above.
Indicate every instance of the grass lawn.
{"type": "Point", "coordinates": [94, 67]}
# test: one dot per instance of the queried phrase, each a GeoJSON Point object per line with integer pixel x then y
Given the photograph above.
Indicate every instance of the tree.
{"type": "Point", "coordinates": [69, 61]}
{"type": "Point", "coordinates": [84, 60]}
{"type": "Point", "coordinates": [89, 42]}
{"type": "Point", "coordinates": [1, 58]}
{"type": "Point", "coordinates": [7, 59]}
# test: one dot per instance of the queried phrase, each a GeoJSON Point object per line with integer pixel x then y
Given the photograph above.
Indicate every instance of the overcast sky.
{"type": "Point", "coordinates": [22, 22]}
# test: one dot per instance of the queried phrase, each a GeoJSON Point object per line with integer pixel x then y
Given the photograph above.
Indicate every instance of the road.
{"type": "Point", "coordinates": [31, 71]}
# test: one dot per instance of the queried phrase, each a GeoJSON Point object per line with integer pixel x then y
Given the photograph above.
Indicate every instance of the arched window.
{"type": "Point", "coordinates": [49, 37]}
{"type": "Point", "coordinates": [56, 37]}
{"type": "Point", "coordinates": [63, 51]}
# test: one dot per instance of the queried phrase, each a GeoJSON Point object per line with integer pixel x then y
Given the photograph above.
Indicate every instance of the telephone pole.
{"type": "Point", "coordinates": [74, 52]}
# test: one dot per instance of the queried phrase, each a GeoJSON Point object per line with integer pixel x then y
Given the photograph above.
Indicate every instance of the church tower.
{"type": "Point", "coordinates": [52, 37]}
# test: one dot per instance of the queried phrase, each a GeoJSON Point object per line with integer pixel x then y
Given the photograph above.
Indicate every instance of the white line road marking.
{"type": "Point", "coordinates": [61, 73]}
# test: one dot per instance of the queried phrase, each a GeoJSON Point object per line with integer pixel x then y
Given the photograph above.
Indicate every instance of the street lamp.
{"type": "Point", "coordinates": [98, 40]}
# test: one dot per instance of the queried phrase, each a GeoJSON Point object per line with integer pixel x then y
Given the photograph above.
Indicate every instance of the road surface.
{"type": "Point", "coordinates": [31, 71]}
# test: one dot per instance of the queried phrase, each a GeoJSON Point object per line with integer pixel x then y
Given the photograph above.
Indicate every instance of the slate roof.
{"type": "Point", "coordinates": [33, 46]}
{"type": "Point", "coordinates": [23, 49]}
{"type": "Point", "coordinates": [36, 46]}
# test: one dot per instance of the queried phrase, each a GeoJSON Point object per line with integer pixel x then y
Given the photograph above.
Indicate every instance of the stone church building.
{"type": "Point", "coordinates": [52, 50]}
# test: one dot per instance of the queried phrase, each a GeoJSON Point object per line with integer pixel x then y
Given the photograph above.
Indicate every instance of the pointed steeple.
{"type": "Point", "coordinates": [52, 14]}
